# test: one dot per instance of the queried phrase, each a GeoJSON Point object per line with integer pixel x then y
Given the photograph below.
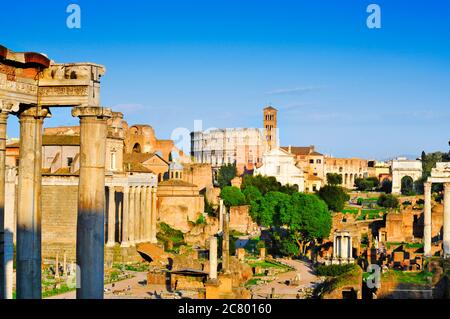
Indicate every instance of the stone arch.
{"type": "Point", "coordinates": [137, 148]}
{"type": "Point", "coordinates": [407, 185]}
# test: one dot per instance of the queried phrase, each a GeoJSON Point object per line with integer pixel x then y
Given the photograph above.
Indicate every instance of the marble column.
{"type": "Point", "coordinates": [213, 257]}
{"type": "Point", "coordinates": [125, 217]}
{"type": "Point", "coordinates": [154, 216]}
{"type": "Point", "coordinates": [427, 220]}
{"type": "Point", "coordinates": [143, 213]}
{"type": "Point", "coordinates": [3, 121]}
{"type": "Point", "coordinates": [226, 244]}
{"type": "Point", "coordinates": [344, 247]}
{"type": "Point", "coordinates": [28, 253]}
{"type": "Point", "coordinates": [446, 237]}
{"type": "Point", "coordinates": [334, 246]}
{"type": "Point", "coordinates": [91, 201]}
{"type": "Point", "coordinates": [137, 215]}
{"type": "Point", "coordinates": [111, 216]}
{"type": "Point", "coordinates": [10, 229]}
{"type": "Point", "coordinates": [131, 216]}
{"type": "Point", "coordinates": [350, 247]}
{"type": "Point", "coordinates": [221, 213]}
{"type": "Point", "coordinates": [148, 212]}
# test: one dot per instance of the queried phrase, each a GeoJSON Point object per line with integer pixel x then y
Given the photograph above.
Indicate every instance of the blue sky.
{"type": "Point", "coordinates": [349, 90]}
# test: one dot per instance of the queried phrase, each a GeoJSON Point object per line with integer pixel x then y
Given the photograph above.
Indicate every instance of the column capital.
{"type": "Point", "coordinates": [447, 186]}
{"type": "Point", "coordinates": [33, 112]}
{"type": "Point", "coordinates": [91, 111]}
{"type": "Point", "coordinates": [9, 106]}
{"type": "Point", "coordinates": [428, 184]}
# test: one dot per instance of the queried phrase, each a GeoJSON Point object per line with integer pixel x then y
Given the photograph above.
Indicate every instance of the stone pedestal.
{"type": "Point", "coordinates": [28, 256]}
{"type": "Point", "coordinates": [91, 201]}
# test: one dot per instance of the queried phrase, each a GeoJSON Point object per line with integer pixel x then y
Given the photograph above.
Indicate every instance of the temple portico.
{"type": "Point", "coordinates": [342, 248]}
{"type": "Point", "coordinates": [439, 174]}
{"type": "Point", "coordinates": [30, 84]}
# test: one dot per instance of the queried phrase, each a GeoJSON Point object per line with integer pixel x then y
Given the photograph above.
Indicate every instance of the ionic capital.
{"type": "Point", "coordinates": [447, 186]}
{"type": "Point", "coordinates": [91, 111]}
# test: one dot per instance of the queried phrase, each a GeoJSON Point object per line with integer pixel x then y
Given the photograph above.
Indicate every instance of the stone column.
{"type": "Point", "coordinates": [131, 216]}
{"type": "Point", "coordinates": [137, 215]}
{"type": "Point", "coordinates": [10, 228]}
{"type": "Point", "coordinates": [143, 213]}
{"type": "Point", "coordinates": [111, 217]}
{"type": "Point", "coordinates": [334, 246]}
{"type": "Point", "coordinates": [154, 215]}
{"type": "Point", "coordinates": [212, 258]}
{"type": "Point", "coordinates": [427, 220]}
{"type": "Point", "coordinates": [226, 244]}
{"type": "Point", "coordinates": [221, 213]}
{"type": "Point", "coordinates": [148, 214]}
{"type": "Point", "coordinates": [350, 247]}
{"type": "Point", "coordinates": [5, 235]}
{"type": "Point", "coordinates": [91, 201]}
{"type": "Point", "coordinates": [344, 247]}
{"type": "Point", "coordinates": [446, 238]}
{"type": "Point", "coordinates": [28, 257]}
{"type": "Point", "coordinates": [57, 266]}
{"type": "Point", "coordinates": [125, 218]}
{"type": "Point", "coordinates": [3, 261]}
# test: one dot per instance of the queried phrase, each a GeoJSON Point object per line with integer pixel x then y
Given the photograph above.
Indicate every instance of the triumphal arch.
{"type": "Point", "coordinates": [30, 85]}
{"type": "Point", "coordinates": [439, 175]}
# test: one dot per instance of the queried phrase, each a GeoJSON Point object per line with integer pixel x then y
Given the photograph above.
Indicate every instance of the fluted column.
{"type": "Point", "coordinates": [427, 220]}
{"type": "Point", "coordinates": [137, 215]}
{"type": "Point", "coordinates": [3, 121]}
{"type": "Point", "coordinates": [28, 270]}
{"type": "Point", "coordinates": [143, 204]}
{"type": "Point", "coordinates": [125, 217]}
{"type": "Point", "coordinates": [91, 201]}
{"type": "Point", "coordinates": [131, 219]}
{"type": "Point", "coordinates": [111, 216]}
{"type": "Point", "coordinates": [154, 215]}
{"type": "Point", "coordinates": [6, 236]}
{"type": "Point", "coordinates": [446, 239]}
{"type": "Point", "coordinates": [148, 217]}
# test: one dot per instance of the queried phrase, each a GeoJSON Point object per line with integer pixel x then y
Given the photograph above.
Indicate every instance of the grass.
{"type": "Point", "coordinates": [407, 245]}
{"type": "Point", "coordinates": [268, 264]}
{"type": "Point", "coordinates": [406, 277]}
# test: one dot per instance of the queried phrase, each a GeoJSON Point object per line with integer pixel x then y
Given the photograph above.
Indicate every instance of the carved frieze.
{"type": "Point", "coordinates": [63, 91]}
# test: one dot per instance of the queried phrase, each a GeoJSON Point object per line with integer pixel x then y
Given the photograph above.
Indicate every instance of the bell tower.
{"type": "Point", "coordinates": [270, 127]}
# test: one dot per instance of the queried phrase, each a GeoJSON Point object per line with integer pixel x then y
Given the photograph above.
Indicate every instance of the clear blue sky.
{"type": "Point", "coordinates": [347, 89]}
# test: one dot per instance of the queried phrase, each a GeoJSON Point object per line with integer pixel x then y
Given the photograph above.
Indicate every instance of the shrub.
{"type": "Point", "coordinates": [333, 270]}
{"type": "Point", "coordinates": [388, 201]}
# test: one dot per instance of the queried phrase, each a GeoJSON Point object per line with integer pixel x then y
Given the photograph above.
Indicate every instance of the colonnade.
{"type": "Point", "coordinates": [342, 247]}
{"type": "Point", "coordinates": [139, 216]}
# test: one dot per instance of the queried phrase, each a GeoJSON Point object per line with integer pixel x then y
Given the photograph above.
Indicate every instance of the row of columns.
{"type": "Point", "coordinates": [427, 231]}
{"type": "Point", "coordinates": [91, 200]}
{"type": "Point", "coordinates": [342, 247]}
{"type": "Point", "coordinates": [139, 216]}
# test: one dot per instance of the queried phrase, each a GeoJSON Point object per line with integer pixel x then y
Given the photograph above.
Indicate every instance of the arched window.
{"type": "Point", "coordinates": [137, 148]}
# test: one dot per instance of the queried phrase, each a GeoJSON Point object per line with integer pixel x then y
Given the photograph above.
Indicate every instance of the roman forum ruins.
{"type": "Point", "coordinates": [31, 84]}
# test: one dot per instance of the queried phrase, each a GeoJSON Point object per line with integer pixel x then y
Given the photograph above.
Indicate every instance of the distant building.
{"type": "Point", "coordinates": [241, 146]}
{"type": "Point", "coordinates": [270, 127]}
{"type": "Point", "coordinates": [281, 165]}
{"type": "Point", "coordinates": [349, 168]}
{"type": "Point", "coordinates": [312, 163]}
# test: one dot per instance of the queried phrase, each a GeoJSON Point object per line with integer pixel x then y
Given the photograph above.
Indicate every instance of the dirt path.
{"type": "Point", "coordinates": [307, 280]}
{"type": "Point", "coordinates": [132, 288]}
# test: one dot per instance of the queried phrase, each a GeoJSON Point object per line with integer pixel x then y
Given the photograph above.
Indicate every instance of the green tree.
{"type": "Point", "coordinates": [307, 218]}
{"type": "Point", "coordinates": [334, 196]}
{"type": "Point", "coordinates": [366, 184]}
{"type": "Point", "coordinates": [253, 197]}
{"type": "Point", "coordinates": [226, 174]}
{"type": "Point", "coordinates": [267, 184]}
{"type": "Point", "coordinates": [334, 179]}
{"type": "Point", "coordinates": [388, 201]}
{"type": "Point", "coordinates": [232, 196]}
